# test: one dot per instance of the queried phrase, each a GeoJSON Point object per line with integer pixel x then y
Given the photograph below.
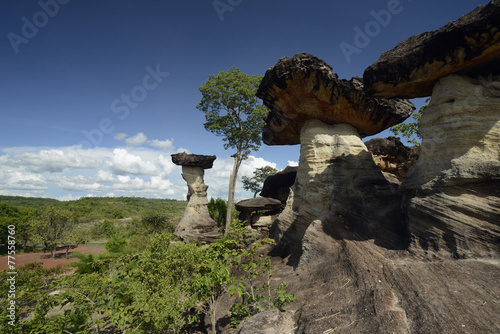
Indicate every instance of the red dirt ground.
{"type": "Point", "coordinates": [48, 262]}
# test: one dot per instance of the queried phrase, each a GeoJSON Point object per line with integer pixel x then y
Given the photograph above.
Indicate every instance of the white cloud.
{"type": "Point", "coordinates": [123, 162]}
{"type": "Point", "coordinates": [104, 176]}
{"type": "Point", "coordinates": [53, 160]}
{"type": "Point", "coordinates": [137, 140]}
{"type": "Point", "coordinates": [292, 163]}
{"type": "Point", "coordinates": [120, 136]}
{"type": "Point", "coordinates": [15, 179]}
{"type": "Point", "coordinates": [68, 173]}
{"type": "Point", "coordinates": [165, 144]}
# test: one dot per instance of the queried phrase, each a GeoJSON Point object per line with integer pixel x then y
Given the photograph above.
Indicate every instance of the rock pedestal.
{"type": "Point", "coordinates": [196, 224]}
{"type": "Point", "coordinates": [454, 188]}
{"type": "Point", "coordinates": [339, 194]}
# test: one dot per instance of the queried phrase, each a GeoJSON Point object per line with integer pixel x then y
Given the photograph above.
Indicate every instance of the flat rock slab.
{"type": "Point", "coordinates": [470, 45]}
{"type": "Point", "coordinates": [258, 203]}
{"type": "Point", "coordinates": [193, 160]}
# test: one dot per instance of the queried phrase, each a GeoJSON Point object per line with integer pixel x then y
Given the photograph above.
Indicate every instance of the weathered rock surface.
{"type": "Point", "coordinates": [304, 87]}
{"type": "Point", "coordinates": [278, 185]}
{"type": "Point", "coordinates": [196, 223]}
{"type": "Point", "coordinates": [470, 45]}
{"type": "Point", "coordinates": [339, 194]}
{"type": "Point", "coordinates": [392, 156]}
{"type": "Point", "coordinates": [269, 322]}
{"type": "Point", "coordinates": [363, 288]}
{"type": "Point", "coordinates": [454, 188]}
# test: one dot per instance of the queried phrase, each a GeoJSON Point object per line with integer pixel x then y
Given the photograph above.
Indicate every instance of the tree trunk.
{"type": "Point", "coordinates": [53, 251]}
{"type": "Point", "coordinates": [230, 198]}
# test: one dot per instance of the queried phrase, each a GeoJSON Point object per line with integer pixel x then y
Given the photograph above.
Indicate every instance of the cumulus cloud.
{"type": "Point", "coordinates": [164, 144]}
{"type": "Point", "coordinates": [123, 162]}
{"type": "Point", "coordinates": [52, 160]}
{"type": "Point", "coordinates": [292, 163]}
{"type": "Point", "coordinates": [120, 136]}
{"type": "Point", "coordinates": [15, 179]}
{"type": "Point", "coordinates": [68, 173]}
{"type": "Point", "coordinates": [137, 140]}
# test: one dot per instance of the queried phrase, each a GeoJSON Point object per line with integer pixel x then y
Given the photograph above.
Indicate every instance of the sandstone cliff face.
{"type": "Point", "coordinates": [455, 185]}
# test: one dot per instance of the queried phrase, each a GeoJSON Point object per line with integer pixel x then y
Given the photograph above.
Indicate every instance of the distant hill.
{"type": "Point", "coordinates": [95, 208]}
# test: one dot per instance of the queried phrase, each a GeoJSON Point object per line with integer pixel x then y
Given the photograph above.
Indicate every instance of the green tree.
{"type": "Point", "coordinates": [53, 227]}
{"type": "Point", "coordinates": [254, 184]}
{"type": "Point", "coordinates": [233, 112]}
{"type": "Point", "coordinates": [410, 130]}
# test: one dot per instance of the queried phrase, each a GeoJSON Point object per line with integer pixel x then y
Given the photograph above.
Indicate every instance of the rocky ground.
{"type": "Point", "coordinates": [367, 289]}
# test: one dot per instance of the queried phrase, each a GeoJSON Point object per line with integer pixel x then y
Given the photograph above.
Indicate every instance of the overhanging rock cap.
{"type": "Point", "coordinates": [470, 46]}
{"type": "Point", "coordinates": [304, 87]}
{"type": "Point", "coordinates": [193, 160]}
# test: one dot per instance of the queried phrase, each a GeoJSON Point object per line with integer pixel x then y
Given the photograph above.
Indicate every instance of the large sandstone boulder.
{"type": "Point", "coordinates": [278, 185]}
{"type": "Point", "coordinates": [470, 45]}
{"type": "Point", "coordinates": [393, 157]}
{"type": "Point", "coordinates": [196, 223]}
{"type": "Point", "coordinates": [454, 188]}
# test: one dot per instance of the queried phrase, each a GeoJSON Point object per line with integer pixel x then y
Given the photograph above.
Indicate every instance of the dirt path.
{"type": "Point", "coordinates": [48, 262]}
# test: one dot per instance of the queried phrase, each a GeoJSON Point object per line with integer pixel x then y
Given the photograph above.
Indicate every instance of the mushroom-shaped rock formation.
{"type": "Point", "coordinates": [248, 206]}
{"type": "Point", "coordinates": [196, 223]}
{"type": "Point", "coordinates": [470, 46]}
{"type": "Point", "coordinates": [452, 192]}
{"type": "Point", "coordinates": [304, 87]}
{"type": "Point", "coordinates": [339, 192]}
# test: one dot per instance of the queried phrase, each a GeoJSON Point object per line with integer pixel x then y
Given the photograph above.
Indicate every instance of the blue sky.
{"type": "Point", "coordinates": [95, 95]}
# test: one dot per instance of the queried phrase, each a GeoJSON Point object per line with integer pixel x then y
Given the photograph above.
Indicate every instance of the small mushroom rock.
{"type": "Point", "coordinates": [248, 206]}
{"type": "Point", "coordinates": [196, 223]}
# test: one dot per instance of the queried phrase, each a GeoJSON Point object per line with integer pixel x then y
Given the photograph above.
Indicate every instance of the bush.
{"type": "Point", "coordinates": [116, 244]}
{"type": "Point", "coordinates": [217, 208]}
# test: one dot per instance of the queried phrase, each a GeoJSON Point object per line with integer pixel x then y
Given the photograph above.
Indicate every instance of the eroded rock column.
{"type": "Point", "coordinates": [339, 193]}
{"type": "Point", "coordinates": [196, 223]}
{"type": "Point", "coordinates": [455, 185]}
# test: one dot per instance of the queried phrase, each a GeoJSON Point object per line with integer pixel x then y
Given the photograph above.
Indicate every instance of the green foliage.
{"type": "Point", "coordinates": [105, 229]}
{"type": "Point", "coordinates": [232, 111]}
{"type": "Point", "coordinates": [254, 288]}
{"type": "Point", "coordinates": [158, 222]}
{"type": "Point", "coordinates": [254, 184]}
{"type": "Point", "coordinates": [161, 289]}
{"type": "Point", "coordinates": [411, 130]}
{"type": "Point", "coordinates": [116, 244]}
{"type": "Point", "coordinates": [217, 208]}
{"type": "Point", "coordinates": [54, 226]}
